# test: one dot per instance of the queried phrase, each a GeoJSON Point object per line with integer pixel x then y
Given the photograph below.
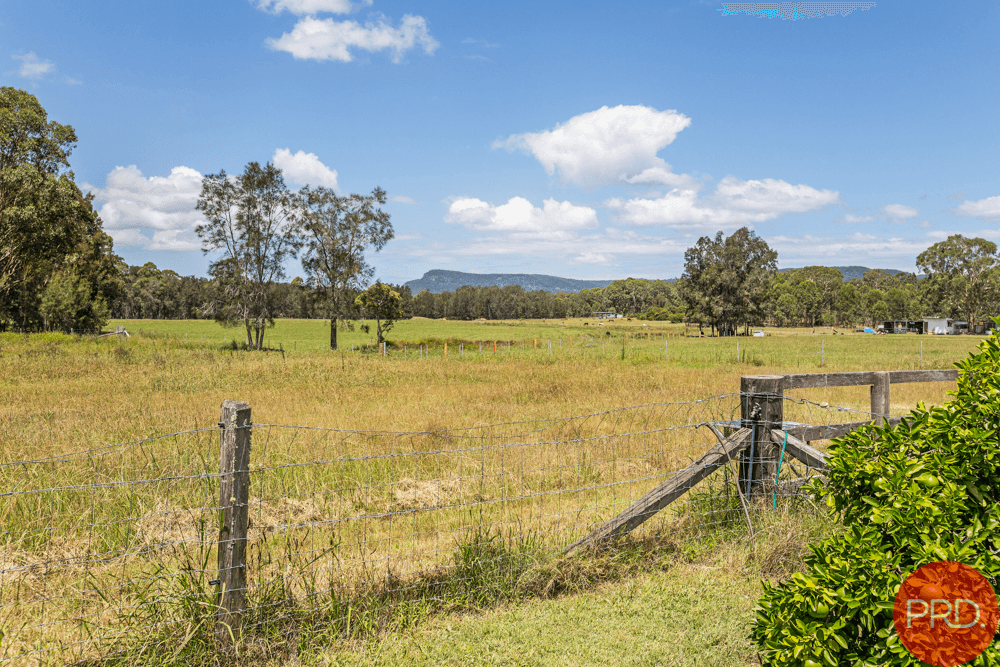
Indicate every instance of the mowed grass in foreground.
{"type": "Point", "coordinates": [684, 604]}
{"type": "Point", "coordinates": [690, 615]}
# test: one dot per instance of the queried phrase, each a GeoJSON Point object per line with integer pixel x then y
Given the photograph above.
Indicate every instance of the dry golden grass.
{"type": "Point", "coordinates": [369, 505]}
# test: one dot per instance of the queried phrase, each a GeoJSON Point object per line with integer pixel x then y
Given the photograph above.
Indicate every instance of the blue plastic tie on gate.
{"type": "Point", "coordinates": [780, 459]}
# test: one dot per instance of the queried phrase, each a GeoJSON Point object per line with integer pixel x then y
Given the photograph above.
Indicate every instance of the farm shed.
{"type": "Point", "coordinates": [939, 325]}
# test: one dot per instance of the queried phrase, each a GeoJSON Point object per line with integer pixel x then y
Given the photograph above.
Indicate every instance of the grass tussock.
{"type": "Point", "coordinates": [490, 570]}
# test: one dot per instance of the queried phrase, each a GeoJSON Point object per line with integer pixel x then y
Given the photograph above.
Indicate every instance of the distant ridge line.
{"type": "Point", "coordinates": [439, 280]}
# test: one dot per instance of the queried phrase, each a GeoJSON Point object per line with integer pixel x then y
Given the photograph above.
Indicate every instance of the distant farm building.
{"type": "Point", "coordinates": [608, 316]}
{"type": "Point", "coordinates": [940, 325]}
{"type": "Point", "coordinates": [905, 326]}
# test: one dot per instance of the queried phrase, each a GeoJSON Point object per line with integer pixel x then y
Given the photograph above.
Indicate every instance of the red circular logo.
{"type": "Point", "coordinates": [946, 613]}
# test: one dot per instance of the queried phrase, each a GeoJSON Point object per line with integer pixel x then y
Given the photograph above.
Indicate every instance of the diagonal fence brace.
{"type": "Point", "coordinates": [811, 457]}
{"type": "Point", "coordinates": [666, 492]}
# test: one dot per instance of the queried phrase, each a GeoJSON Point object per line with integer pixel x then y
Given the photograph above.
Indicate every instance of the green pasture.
{"type": "Point", "coordinates": [788, 349]}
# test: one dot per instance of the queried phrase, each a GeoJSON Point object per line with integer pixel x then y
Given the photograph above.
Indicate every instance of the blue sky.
{"type": "Point", "coordinates": [580, 139]}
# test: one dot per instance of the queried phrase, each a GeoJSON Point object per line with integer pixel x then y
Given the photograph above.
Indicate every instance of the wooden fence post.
{"type": "Point", "coordinates": [234, 500]}
{"type": "Point", "coordinates": [880, 396]}
{"type": "Point", "coordinates": [761, 409]}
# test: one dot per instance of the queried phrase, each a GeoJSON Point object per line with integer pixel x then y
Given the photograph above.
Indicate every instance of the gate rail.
{"type": "Point", "coordinates": [761, 431]}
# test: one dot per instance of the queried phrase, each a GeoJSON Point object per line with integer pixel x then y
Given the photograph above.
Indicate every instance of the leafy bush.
{"type": "Point", "coordinates": [661, 315]}
{"type": "Point", "coordinates": [923, 491]}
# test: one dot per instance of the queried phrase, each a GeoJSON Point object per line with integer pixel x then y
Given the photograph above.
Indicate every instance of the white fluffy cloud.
{"type": "Point", "coordinates": [519, 215]}
{"type": "Point", "coordinates": [986, 209]}
{"type": "Point", "coordinates": [326, 39]}
{"type": "Point", "coordinates": [857, 218]}
{"type": "Point", "coordinates": [734, 203]}
{"type": "Point", "coordinates": [303, 7]}
{"type": "Point", "coordinates": [770, 197]}
{"type": "Point", "coordinates": [609, 145]}
{"type": "Point", "coordinates": [157, 212]}
{"type": "Point", "coordinates": [32, 67]}
{"type": "Point", "coordinates": [897, 213]}
{"type": "Point", "coordinates": [305, 169]}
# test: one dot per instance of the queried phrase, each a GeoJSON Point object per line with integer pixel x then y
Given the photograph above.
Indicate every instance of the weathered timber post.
{"type": "Point", "coordinates": [880, 396]}
{"type": "Point", "coordinates": [761, 409]}
{"type": "Point", "coordinates": [234, 500]}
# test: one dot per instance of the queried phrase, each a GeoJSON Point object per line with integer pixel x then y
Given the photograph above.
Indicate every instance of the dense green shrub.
{"type": "Point", "coordinates": [925, 490]}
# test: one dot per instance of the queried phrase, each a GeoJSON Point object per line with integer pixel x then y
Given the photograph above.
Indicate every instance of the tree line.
{"type": "Point", "coordinates": [733, 282]}
{"type": "Point", "coordinates": [149, 292]}
{"type": "Point", "coordinates": [58, 270]}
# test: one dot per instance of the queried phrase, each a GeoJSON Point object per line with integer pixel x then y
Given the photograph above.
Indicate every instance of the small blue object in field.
{"type": "Point", "coordinates": [792, 11]}
{"type": "Point", "coordinates": [869, 330]}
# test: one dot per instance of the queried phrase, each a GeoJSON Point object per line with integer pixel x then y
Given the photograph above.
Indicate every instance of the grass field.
{"type": "Point", "coordinates": [63, 394]}
{"type": "Point", "coordinates": [589, 339]}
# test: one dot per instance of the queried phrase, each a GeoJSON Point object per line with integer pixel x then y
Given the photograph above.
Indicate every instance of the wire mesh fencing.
{"type": "Point", "coordinates": [103, 551]}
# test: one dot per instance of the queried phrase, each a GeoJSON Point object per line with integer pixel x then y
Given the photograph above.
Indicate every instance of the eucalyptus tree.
{"type": "Point", "coordinates": [337, 231]}
{"type": "Point", "coordinates": [728, 279]}
{"type": "Point", "coordinates": [968, 270]}
{"type": "Point", "coordinates": [53, 249]}
{"type": "Point", "coordinates": [252, 220]}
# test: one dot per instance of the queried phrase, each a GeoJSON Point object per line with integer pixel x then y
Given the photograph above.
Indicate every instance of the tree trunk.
{"type": "Point", "coordinates": [249, 334]}
{"type": "Point", "coordinates": [333, 333]}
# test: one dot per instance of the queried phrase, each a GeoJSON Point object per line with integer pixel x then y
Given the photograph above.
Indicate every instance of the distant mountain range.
{"type": "Point", "coordinates": [438, 281]}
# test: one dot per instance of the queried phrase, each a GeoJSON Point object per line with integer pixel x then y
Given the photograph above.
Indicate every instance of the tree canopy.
{"type": "Point", "coordinates": [727, 280]}
{"type": "Point", "coordinates": [966, 270]}
{"type": "Point", "coordinates": [337, 231]}
{"type": "Point", "coordinates": [251, 218]}
{"type": "Point", "coordinates": [381, 303]}
{"type": "Point", "coordinates": [57, 266]}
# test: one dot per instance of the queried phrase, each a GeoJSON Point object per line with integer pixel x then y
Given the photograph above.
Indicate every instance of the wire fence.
{"type": "Point", "coordinates": [104, 549]}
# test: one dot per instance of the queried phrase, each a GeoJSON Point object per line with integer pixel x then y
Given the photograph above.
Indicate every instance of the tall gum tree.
{"type": "Point", "coordinates": [337, 231]}
{"type": "Point", "coordinates": [252, 220]}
